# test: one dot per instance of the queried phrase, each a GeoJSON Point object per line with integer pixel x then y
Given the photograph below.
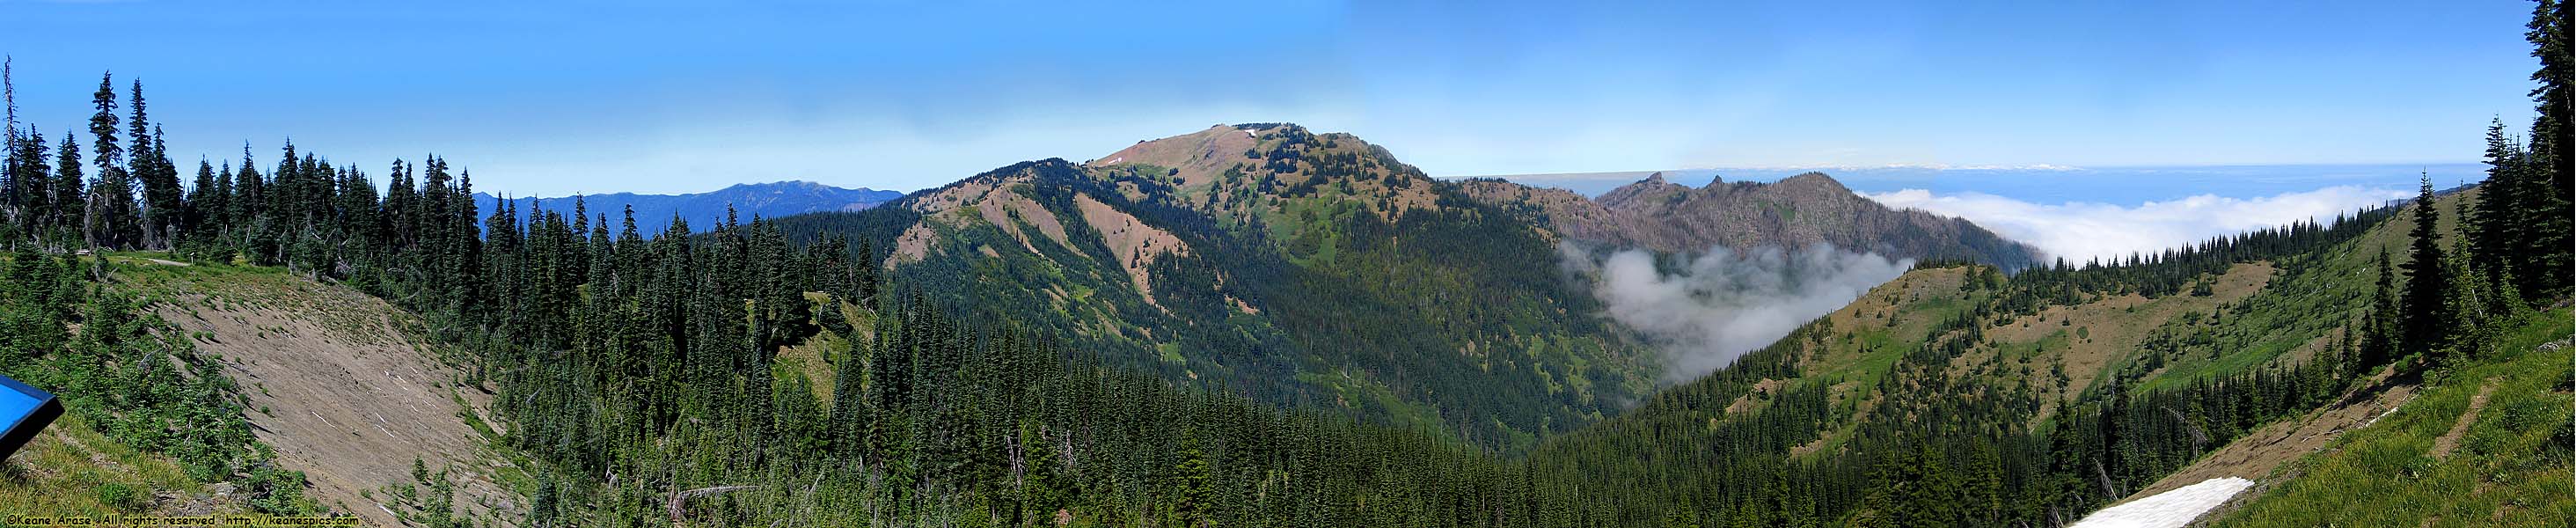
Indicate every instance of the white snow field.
{"type": "Point", "coordinates": [2171, 509]}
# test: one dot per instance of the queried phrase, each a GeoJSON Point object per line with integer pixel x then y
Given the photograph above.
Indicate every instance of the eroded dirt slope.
{"type": "Point", "coordinates": [341, 388]}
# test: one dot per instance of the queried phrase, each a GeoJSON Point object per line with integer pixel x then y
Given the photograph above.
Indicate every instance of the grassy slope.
{"type": "Point", "coordinates": [2055, 353]}
{"type": "Point", "coordinates": [2505, 464]}
{"type": "Point", "coordinates": [1845, 356]}
{"type": "Point", "coordinates": [2258, 315]}
{"type": "Point", "coordinates": [1881, 326]}
{"type": "Point", "coordinates": [2509, 468]}
{"type": "Point", "coordinates": [72, 469]}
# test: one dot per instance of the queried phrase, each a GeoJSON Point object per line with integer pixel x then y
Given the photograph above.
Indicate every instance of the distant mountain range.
{"type": "Point", "coordinates": [704, 210]}
{"type": "Point", "coordinates": [1304, 268]}
{"type": "Point", "coordinates": [1801, 210]}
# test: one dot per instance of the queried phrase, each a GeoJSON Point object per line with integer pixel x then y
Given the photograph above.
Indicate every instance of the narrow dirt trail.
{"type": "Point", "coordinates": [2257, 454]}
{"type": "Point", "coordinates": [2450, 441]}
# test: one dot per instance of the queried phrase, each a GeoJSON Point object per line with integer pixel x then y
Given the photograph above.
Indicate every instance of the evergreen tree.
{"type": "Point", "coordinates": [2495, 226]}
{"type": "Point", "coordinates": [245, 203]}
{"type": "Point", "coordinates": [163, 199]}
{"type": "Point", "coordinates": [2425, 322]}
{"type": "Point", "coordinates": [2548, 215]}
{"type": "Point", "coordinates": [2473, 304]}
{"type": "Point", "coordinates": [32, 182]}
{"type": "Point", "coordinates": [150, 168]}
{"type": "Point", "coordinates": [2378, 338]}
{"type": "Point", "coordinates": [69, 195]}
{"type": "Point", "coordinates": [1193, 491]}
{"type": "Point", "coordinates": [108, 220]}
{"type": "Point", "coordinates": [202, 213]}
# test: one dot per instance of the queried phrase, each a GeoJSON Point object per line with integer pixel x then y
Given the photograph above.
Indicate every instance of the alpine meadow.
{"type": "Point", "coordinates": [1266, 324]}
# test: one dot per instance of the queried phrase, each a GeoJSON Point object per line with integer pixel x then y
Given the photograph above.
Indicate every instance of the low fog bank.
{"type": "Point", "coordinates": [2083, 231]}
{"type": "Point", "coordinates": [1708, 309]}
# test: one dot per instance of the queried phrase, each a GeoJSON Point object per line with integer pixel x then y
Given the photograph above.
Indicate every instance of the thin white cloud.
{"type": "Point", "coordinates": [2081, 231]}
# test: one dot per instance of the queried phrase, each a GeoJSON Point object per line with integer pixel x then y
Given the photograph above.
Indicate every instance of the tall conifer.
{"type": "Point", "coordinates": [2425, 321]}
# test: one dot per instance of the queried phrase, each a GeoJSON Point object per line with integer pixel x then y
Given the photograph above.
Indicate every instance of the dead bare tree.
{"type": "Point", "coordinates": [679, 499]}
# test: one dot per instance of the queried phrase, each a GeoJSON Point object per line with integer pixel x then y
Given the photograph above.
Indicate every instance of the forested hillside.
{"type": "Point", "coordinates": [1299, 269]}
{"type": "Point", "coordinates": [734, 378]}
{"type": "Point", "coordinates": [1958, 396]}
{"type": "Point", "coordinates": [1316, 270]}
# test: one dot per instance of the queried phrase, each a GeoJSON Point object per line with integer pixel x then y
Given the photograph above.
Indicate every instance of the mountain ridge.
{"type": "Point", "coordinates": [703, 210]}
{"type": "Point", "coordinates": [1297, 267]}
{"type": "Point", "coordinates": [1806, 209]}
{"type": "Point", "coordinates": [1303, 268]}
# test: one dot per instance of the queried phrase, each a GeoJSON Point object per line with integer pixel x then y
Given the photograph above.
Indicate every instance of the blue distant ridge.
{"type": "Point", "coordinates": [704, 210]}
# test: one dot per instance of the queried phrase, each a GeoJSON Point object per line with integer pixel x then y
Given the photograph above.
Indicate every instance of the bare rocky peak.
{"type": "Point", "coordinates": [1796, 212]}
{"type": "Point", "coordinates": [1653, 187]}
{"type": "Point", "coordinates": [1240, 173]}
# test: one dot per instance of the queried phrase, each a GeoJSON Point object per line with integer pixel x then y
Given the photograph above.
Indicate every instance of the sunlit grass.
{"type": "Point", "coordinates": [2507, 471]}
{"type": "Point", "coordinates": [72, 469]}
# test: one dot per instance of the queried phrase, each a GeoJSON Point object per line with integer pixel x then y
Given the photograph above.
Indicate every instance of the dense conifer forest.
{"type": "Point", "coordinates": [639, 372]}
{"type": "Point", "coordinates": [1451, 318]}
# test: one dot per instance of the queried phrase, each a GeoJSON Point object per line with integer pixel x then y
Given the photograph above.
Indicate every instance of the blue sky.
{"type": "Point", "coordinates": [680, 97]}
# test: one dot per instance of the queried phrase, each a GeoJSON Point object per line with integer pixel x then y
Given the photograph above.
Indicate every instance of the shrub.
{"type": "Point", "coordinates": [119, 496]}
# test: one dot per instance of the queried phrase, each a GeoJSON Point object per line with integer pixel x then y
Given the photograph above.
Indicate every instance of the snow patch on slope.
{"type": "Point", "coordinates": [2172, 509]}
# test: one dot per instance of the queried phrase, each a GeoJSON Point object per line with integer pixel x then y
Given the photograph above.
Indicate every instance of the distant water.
{"type": "Point", "coordinates": [2114, 185]}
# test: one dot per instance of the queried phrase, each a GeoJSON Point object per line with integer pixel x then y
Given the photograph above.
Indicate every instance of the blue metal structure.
{"type": "Point", "coordinates": [26, 411]}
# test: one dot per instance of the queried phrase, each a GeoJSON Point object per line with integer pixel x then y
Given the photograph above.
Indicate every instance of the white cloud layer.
{"type": "Point", "coordinates": [2081, 231]}
{"type": "Point", "coordinates": [1715, 307]}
